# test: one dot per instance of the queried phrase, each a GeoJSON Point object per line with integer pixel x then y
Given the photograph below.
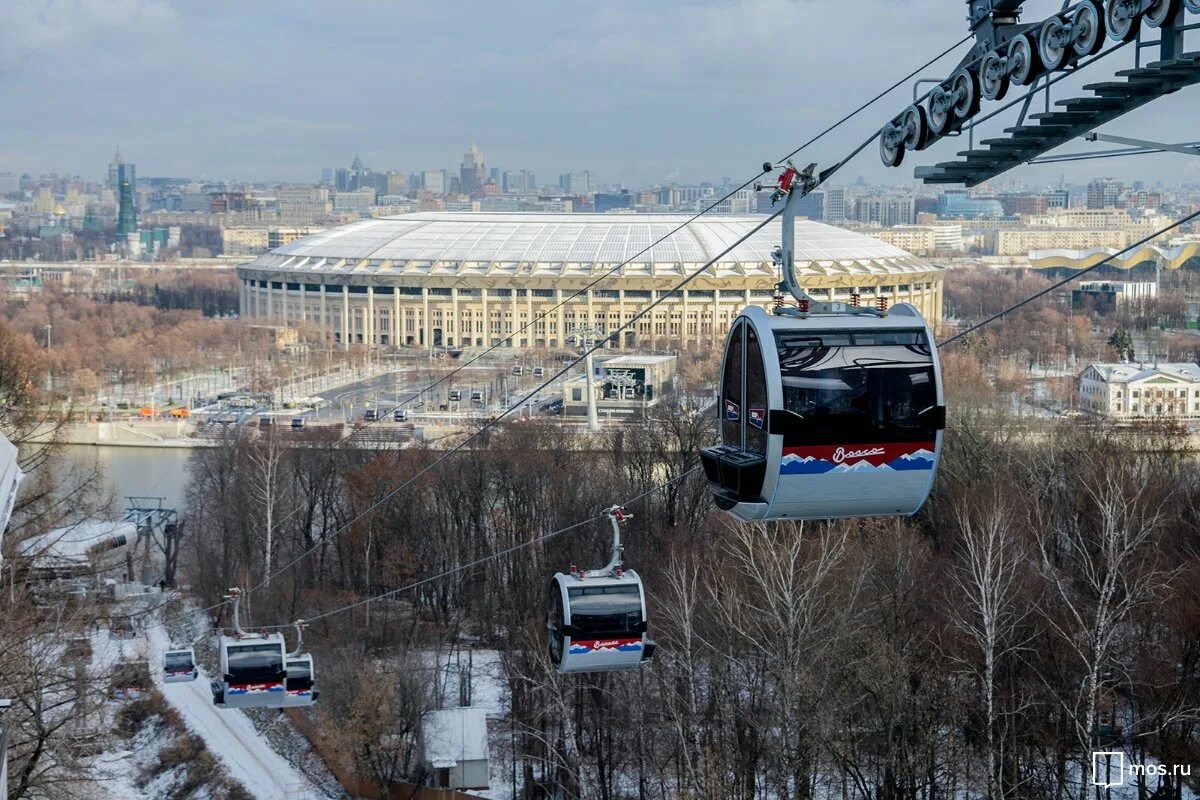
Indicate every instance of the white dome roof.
{"type": "Point", "coordinates": [428, 244]}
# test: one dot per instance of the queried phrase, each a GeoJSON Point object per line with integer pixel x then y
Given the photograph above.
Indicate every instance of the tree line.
{"type": "Point", "coordinates": [1043, 605]}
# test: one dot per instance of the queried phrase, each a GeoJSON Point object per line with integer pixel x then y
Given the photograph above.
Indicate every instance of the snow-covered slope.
{"type": "Point", "coordinates": [229, 735]}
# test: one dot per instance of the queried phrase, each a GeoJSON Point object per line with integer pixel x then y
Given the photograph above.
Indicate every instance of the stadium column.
{"type": "Point", "coordinates": [369, 325]}
{"type": "Point", "coordinates": [324, 312]}
{"type": "Point", "coordinates": [512, 324]}
{"type": "Point", "coordinates": [397, 337]}
{"type": "Point", "coordinates": [714, 337]}
{"type": "Point", "coordinates": [683, 319]}
{"type": "Point", "coordinates": [345, 316]}
{"type": "Point", "coordinates": [426, 326]}
{"type": "Point", "coordinates": [303, 301]}
{"type": "Point", "coordinates": [621, 314]}
{"type": "Point", "coordinates": [270, 300]}
{"type": "Point", "coordinates": [529, 332]}
{"type": "Point", "coordinates": [244, 298]}
{"type": "Point", "coordinates": [283, 302]}
{"type": "Point", "coordinates": [458, 326]}
{"type": "Point", "coordinates": [561, 326]}
{"type": "Point", "coordinates": [487, 317]}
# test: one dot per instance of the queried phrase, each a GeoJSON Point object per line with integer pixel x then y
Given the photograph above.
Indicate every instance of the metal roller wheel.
{"type": "Point", "coordinates": [915, 122]}
{"type": "Point", "coordinates": [993, 76]}
{"type": "Point", "coordinates": [1052, 43]}
{"type": "Point", "coordinates": [1122, 19]}
{"type": "Point", "coordinates": [1160, 12]}
{"type": "Point", "coordinates": [965, 85]}
{"type": "Point", "coordinates": [890, 154]}
{"type": "Point", "coordinates": [1089, 22]}
{"type": "Point", "coordinates": [1192, 6]}
{"type": "Point", "coordinates": [941, 111]}
{"type": "Point", "coordinates": [1024, 66]}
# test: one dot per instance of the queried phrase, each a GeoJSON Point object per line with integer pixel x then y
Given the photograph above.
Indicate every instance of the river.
{"type": "Point", "coordinates": [138, 471]}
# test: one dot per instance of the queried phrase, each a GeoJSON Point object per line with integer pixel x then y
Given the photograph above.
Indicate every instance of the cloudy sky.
{"type": "Point", "coordinates": [635, 90]}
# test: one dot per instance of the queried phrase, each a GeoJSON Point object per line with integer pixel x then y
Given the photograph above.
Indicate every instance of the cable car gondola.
{"type": "Point", "coordinates": [179, 665]}
{"type": "Point", "coordinates": [596, 619]}
{"type": "Point", "coordinates": [253, 668]}
{"type": "Point", "coordinates": [301, 681]}
{"type": "Point", "coordinates": [827, 409]}
{"type": "Point", "coordinates": [301, 678]}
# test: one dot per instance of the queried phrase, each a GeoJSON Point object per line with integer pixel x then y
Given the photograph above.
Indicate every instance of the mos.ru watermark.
{"type": "Point", "coordinates": [1111, 768]}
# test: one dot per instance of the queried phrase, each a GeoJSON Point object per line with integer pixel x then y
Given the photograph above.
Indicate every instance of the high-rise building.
{"type": "Point", "coordinates": [303, 205]}
{"type": "Point", "coordinates": [494, 175]}
{"type": "Point", "coordinates": [519, 181]}
{"type": "Point", "coordinates": [835, 204]}
{"type": "Point", "coordinates": [886, 210]}
{"type": "Point", "coordinates": [473, 172]}
{"type": "Point", "coordinates": [396, 183]}
{"type": "Point", "coordinates": [327, 176]}
{"type": "Point", "coordinates": [115, 171]}
{"type": "Point", "coordinates": [126, 214]}
{"type": "Point", "coordinates": [355, 178]}
{"type": "Point", "coordinates": [434, 180]}
{"type": "Point", "coordinates": [576, 182]}
{"type": "Point", "coordinates": [1104, 193]}
{"type": "Point", "coordinates": [812, 206]}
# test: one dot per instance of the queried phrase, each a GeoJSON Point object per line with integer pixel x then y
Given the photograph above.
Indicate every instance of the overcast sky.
{"type": "Point", "coordinates": [638, 91]}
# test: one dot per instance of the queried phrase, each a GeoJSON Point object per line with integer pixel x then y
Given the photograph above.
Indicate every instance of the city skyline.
{"type": "Point", "coordinates": [637, 94]}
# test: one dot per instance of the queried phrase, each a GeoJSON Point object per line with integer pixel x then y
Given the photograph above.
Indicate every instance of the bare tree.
{"type": "Point", "coordinates": [986, 579]}
{"type": "Point", "coordinates": [1102, 567]}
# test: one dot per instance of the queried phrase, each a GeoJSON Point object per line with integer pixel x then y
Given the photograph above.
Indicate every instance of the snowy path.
{"type": "Point", "coordinates": [229, 735]}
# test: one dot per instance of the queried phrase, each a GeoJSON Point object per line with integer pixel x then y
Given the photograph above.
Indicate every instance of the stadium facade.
{"type": "Point", "coordinates": [471, 280]}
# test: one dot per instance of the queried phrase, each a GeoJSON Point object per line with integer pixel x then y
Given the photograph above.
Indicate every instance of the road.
{"type": "Point", "coordinates": [389, 390]}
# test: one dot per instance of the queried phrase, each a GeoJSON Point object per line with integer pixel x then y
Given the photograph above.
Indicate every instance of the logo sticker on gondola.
{"type": "Point", "coordinates": [886, 457]}
{"type": "Point", "coordinates": [733, 412]}
{"type": "Point", "coordinates": [758, 417]}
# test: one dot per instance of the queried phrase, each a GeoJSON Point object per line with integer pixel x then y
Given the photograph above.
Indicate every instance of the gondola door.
{"type": "Point", "coordinates": [739, 464]}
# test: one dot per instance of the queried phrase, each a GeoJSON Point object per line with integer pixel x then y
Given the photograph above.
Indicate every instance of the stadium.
{"type": "Point", "coordinates": [471, 280]}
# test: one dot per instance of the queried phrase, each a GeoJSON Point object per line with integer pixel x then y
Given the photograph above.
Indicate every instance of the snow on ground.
{"type": "Point", "coordinates": [229, 735]}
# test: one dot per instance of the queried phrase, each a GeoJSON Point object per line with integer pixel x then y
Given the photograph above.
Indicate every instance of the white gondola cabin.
{"type": "Point", "coordinates": [253, 671]}
{"type": "Point", "coordinates": [179, 665]}
{"type": "Point", "coordinates": [596, 620]}
{"type": "Point", "coordinates": [301, 681]}
{"type": "Point", "coordinates": [253, 667]}
{"type": "Point", "coordinates": [826, 410]}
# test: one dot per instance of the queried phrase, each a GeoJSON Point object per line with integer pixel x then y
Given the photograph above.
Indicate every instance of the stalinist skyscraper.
{"type": "Point", "coordinates": [473, 172]}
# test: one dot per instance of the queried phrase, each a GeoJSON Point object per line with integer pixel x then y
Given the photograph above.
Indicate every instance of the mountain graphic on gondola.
{"type": "Point", "coordinates": [616, 646]}
{"type": "Point", "coordinates": [860, 466]}
{"type": "Point", "coordinates": [920, 459]}
{"type": "Point", "coordinates": [795, 465]}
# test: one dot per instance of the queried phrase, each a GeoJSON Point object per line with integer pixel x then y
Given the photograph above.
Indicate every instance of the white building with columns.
{"type": "Point", "coordinates": [528, 280]}
{"type": "Point", "coordinates": [1141, 391]}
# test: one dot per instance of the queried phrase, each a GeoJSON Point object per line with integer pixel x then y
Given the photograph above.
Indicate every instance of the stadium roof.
{"type": "Point", "coordinates": [428, 244]}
